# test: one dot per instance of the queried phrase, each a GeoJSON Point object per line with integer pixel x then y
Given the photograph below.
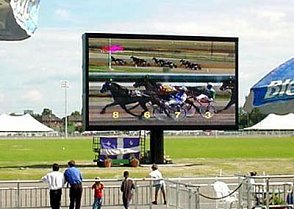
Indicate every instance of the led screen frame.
{"type": "Point", "coordinates": [166, 60]}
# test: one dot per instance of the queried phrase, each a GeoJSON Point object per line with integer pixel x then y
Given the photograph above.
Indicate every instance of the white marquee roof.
{"type": "Point", "coordinates": [23, 123]}
{"type": "Point", "coordinates": [275, 122]}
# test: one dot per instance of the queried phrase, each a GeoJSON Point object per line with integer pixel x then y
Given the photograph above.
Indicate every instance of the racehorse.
{"type": "Point", "coordinates": [118, 61]}
{"type": "Point", "coordinates": [151, 88]}
{"type": "Point", "coordinates": [188, 64]}
{"type": "Point", "coordinates": [157, 96]}
{"type": "Point", "coordinates": [229, 85]}
{"type": "Point", "coordinates": [164, 63]}
{"type": "Point", "coordinates": [123, 96]}
{"type": "Point", "coordinates": [159, 62]}
{"type": "Point", "coordinates": [138, 61]}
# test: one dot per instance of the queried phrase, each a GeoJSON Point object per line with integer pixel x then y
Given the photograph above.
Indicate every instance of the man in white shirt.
{"type": "Point", "coordinates": [158, 183]}
{"type": "Point", "coordinates": [55, 180]}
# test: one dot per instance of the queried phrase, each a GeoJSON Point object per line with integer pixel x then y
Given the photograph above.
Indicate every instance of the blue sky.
{"type": "Point", "coordinates": [32, 69]}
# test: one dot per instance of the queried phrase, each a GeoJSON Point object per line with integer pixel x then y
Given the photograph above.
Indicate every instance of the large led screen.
{"type": "Point", "coordinates": [133, 81]}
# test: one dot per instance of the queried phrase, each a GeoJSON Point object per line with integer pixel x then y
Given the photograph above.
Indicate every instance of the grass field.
{"type": "Point", "coordinates": [192, 156]}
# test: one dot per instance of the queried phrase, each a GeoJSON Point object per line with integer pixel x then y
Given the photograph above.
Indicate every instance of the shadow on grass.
{"type": "Point", "coordinates": [194, 164]}
{"type": "Point", "coordinates": [46, 166]}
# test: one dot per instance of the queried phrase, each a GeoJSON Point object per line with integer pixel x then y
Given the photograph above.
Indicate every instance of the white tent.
{"type": "Point", "coordinates": [23, 123]}
{"type": "Point", "coordinates": [275, 122]}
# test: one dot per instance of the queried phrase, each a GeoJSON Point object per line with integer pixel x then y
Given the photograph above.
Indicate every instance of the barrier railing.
{"type": "Point", "coordinates": [267, 191]}
{"type": "Point", "coordinates": [182, 193]}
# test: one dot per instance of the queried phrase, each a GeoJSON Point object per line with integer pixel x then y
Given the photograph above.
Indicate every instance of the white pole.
{"type": "Point", "coordinates": [65, 85]}
{"type": "Point", "coordinates": [109, 54]}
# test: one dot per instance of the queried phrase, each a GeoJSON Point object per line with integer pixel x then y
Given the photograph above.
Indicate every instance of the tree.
{"type": "Point", "coordinates": [249, 119]}
{"type": "Point", "coordinates": [243, 120]}
{"type": "Point", "coordinates": [256, 116]}
{"type": "Point", "coordinates": [47, 111]}
{"type": "Point", "coordinates": [77, 113]}
{"type": "Point", "coordinates": [75, 122]}
{"type": "Point", "coordinates": [37, 116]}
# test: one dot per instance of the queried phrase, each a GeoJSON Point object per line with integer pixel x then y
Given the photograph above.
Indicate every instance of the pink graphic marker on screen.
{"type": "Point", "coordinates": [112, 48]}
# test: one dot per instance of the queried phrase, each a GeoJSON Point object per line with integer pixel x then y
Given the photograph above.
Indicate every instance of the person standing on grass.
{"type": "Point", "coordinates": [55, 180]}
{"type": "Point", "coordinates": [127, 187]}
{"type": "Point", "coordinates": [74, 178]}
{"type": "Point", "coordinates": [98, 193]}
{"type": "Point", "coordinates": [158, 183]}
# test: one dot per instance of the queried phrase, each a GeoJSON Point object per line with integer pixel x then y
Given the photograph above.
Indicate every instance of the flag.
{"type": "Point", "coordinates": [119, 147]}
{"type": "Point", "coordinates": [133, 145]}
{"type": "Point", "coordinates": [18, 19]}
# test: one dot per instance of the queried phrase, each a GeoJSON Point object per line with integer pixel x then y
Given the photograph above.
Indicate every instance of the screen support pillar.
{"type": "Point", "coordinates": [156, 146]}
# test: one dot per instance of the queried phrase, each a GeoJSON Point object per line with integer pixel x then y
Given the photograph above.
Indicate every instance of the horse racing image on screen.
{"type": "Point", "coordinates": [133, 81]}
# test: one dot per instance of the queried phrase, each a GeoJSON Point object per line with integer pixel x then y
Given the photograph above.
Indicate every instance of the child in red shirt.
{"type": "Point", "coordinates": [98, 193]}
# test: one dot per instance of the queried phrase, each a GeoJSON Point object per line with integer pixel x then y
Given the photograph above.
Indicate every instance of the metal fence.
{"type": "Point", "coordinates": [274, 191]}
{"type": "Point", "coordinates": [182, 193]}
{"type": "Point", "coordinates": [35, 194]}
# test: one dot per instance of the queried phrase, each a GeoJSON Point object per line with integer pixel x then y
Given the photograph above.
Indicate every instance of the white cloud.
{"type": "Point", "coordinates": [271, 16]}
{"type": "Point", "coordinates": [2, 97]}
{"type": "Point", "coordinates": [63, 13]}
{"type": "Point", "coordinates": [33, 69]}
{"type": "Point", "coordinates": [32, 95]}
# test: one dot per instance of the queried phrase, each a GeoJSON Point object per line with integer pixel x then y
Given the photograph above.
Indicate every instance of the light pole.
{"type": "Point", "coordinates": [65, 85]}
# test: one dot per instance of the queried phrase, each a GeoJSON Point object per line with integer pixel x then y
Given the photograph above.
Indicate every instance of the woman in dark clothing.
{"type": "Point", "coordinates": [127, 187]}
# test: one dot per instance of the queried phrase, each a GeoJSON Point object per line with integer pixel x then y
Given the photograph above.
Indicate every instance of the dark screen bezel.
{"type": "Point", "coordinates": [85, 93]}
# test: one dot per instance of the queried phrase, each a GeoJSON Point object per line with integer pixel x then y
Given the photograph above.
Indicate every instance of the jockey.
{"type": "Point", "coordinates": [166, 88]}
{"type": "Point", "coordinates": [209, 95]}
{"type": "Point", "coordinates": [210, 91]}
{"type": "Point", "coordinates": [178, 98]}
